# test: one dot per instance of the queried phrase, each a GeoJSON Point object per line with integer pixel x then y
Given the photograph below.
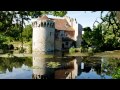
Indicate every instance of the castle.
{"type": "Point", "coordinates": [50, 34]}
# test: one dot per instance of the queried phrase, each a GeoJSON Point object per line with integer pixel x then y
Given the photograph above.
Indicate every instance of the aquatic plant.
{"type": "Point", "coordinates": [53, 64]}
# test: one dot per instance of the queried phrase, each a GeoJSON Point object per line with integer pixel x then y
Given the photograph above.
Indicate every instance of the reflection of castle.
{"type": "Point", "coordinates": [39, 68]}
{"type": "Point", "coordinates": [41, 71]}
{"type": "Point", "coordinates": [51, 34]}
{"type": "Point", "coordinates": [70, 73]}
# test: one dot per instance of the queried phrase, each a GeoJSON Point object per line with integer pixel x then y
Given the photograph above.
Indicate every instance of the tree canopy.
{"type": "Point", "coordinates": [11, 22]}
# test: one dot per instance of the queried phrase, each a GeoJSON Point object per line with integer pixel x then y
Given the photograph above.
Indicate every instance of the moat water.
{"type": "Point", "coordinates": [58, 67]}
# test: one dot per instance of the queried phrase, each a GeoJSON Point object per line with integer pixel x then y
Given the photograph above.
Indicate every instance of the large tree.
{"type": "Point", "coordinates": [7, 19]}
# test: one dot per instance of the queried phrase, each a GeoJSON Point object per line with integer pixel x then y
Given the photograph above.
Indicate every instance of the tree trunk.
{"type": "Point", "coordinates": [21, 34]}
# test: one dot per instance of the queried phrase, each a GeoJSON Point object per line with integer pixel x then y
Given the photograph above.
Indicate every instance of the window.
{"type": "Point", "coordinates": [41, 24]}
{"type": "Point", "coordinates": [47, 24]}
{"type": "Point", "coordinates": [66, 35]}
{"type": "Point", "coordinates": [53, 25]}
{"type": "Point", "coordinates": [50, 24]}
{"type": "Point", "coordinates": [50, 33]}
{"type": "Point", "coordinates": [66, 43]}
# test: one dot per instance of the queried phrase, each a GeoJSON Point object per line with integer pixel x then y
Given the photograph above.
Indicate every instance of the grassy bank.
{"type": "Point", "coordinates": [115, 53]}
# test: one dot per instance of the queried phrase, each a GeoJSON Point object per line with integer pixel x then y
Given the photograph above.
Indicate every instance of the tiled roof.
{"type": "Point", "coordinates": [43, 17]}
{"type": "Point", "coordinates": [70, 33]}
{"type": "Point", "coordinates": [60, 24]}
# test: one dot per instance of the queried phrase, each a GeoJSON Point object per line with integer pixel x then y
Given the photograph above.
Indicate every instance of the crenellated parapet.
{"type": "Point", "coordinates": [44, 23]}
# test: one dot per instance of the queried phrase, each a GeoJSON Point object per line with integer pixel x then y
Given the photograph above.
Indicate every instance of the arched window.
{"type": "Point", "coordinates": [48, 24]}
{"type": "Point", "coordinates": [50, 33]}
{"type": "Point", "coordinates": [44, 24]}
{"type": "Point", "coordinates": [53, 25]}
{"type": "Point", "coordinates": [41, 24]}
{"type": "Point", "coordinates": [32, 24]}
{"type": "Point", "coordinates": [35, 23]}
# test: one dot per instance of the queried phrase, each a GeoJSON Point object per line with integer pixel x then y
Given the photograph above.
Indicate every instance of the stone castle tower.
{"type": "Point", "coordinates": [51, 34]}
{"type": "Point", "coordinates": [43, 35]}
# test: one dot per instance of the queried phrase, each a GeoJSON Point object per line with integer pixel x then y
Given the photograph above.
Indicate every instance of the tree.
{"type": "Point", "coordinates": [87, 36]}
{"type": "Point", "coordinates": [27, 33]}
{"type": "Point", "coordinates": [7, 18]}
{"type": "Point", "coordinates": [110, 28]}
{"type": "Point", "coordinates": [112, 18]}
{"type": "Point", "coordinates": [24, 15]}
{"type": "Point", "coordinates": [97, 37]}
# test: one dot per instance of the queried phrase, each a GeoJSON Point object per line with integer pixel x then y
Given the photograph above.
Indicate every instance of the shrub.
{"type": "Point", "coordinates": [90, 51]}
{"type": "Point", "coordinates": [21, 50]}
{"type": "Point", "coordinates": [71, 50]}
{"type": "Point", "coordinates": [83, 49]}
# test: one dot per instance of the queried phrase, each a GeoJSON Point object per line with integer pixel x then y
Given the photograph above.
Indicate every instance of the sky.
{"type": "Point", "coordinates": [85, 18]}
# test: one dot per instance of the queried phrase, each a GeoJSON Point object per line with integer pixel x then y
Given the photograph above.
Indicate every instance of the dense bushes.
{"type": "Point", "coordinates": [71, 50]}
{"type": "Point", "coordinates": [6, 47]}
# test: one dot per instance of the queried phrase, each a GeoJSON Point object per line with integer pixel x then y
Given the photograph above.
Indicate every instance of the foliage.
{"type": "Point", "coordinates": [9, 63]}
{"type": "Point", "coordinates": [101, 37]}
{"type": "Point", "coordinates": [87, 36]}
{"type": "Point", "coordinates": [83, 49]}
{"type": "Point", "coordinates": [22, 50]}
{"type": "Point", "coordinates": [27, 33]}
{"type": "Point", "coordinates": [71, 50]}
{"type": "Point", "coordinates": [12, 22]}
{"type": "Point", "coordinates": [116, 75]}
{"type": "Point", "coordinates": [2, 38]}
{"type": "Point", "coordinates": [53, 64]}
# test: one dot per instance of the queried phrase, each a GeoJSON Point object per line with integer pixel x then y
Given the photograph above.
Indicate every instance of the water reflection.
{"type": "Point", "coordinates": [90, 68]}
{"type": "Point", "coordinates": [69, 68]}
{"type": "Point", "coordinates": [70, 72]}
{"type": "Point", "coordinates": [54, 68]}
{"type": "Point", "coordinates": [40, 70]}
{"type": "Point", "coordinates": [15, 68]}
{"type": "Point", "coordinates": [59, 67]}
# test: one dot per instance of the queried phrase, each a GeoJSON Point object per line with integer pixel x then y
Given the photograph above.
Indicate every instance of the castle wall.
{"type": "Point", "coordinates": [43, 39]}
{"type": "Point", "coordinates": [78, 33]}
{"type": "Point", "coordinates": [58, 44]}
{"type": "Point", "coordinates": [78, 30]}
{"type": "Point", "coordinates": [79, 36]}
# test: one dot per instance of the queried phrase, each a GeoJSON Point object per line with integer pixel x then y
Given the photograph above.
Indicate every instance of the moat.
{"type": "Point", "coordinates": [58, 66]}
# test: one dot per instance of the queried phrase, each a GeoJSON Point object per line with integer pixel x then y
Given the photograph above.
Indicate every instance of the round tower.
{"type": "Point", "coordinates": [43, 35]}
